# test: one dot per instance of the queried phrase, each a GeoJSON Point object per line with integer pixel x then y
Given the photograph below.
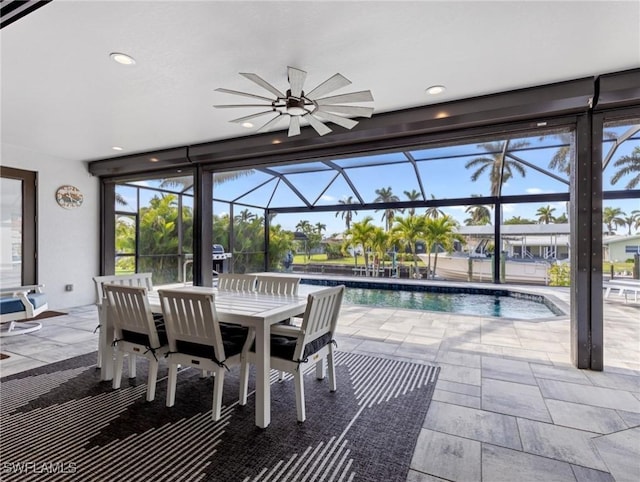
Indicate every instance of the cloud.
{"type": "Point", "coordinates": [326, 197]}
{"type": "Point", "coordinates": [534, 190]}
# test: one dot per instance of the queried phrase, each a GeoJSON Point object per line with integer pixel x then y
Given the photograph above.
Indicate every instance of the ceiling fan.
{"type": "Point", "coordinates": [297, 105]}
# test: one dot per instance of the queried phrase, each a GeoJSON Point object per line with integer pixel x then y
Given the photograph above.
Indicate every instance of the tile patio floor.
{"type": "Point", "coordinates": [508, 405]}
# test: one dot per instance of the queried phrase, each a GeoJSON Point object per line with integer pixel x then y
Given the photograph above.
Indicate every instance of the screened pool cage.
{"type": "Point", "coordinates": [459, 210]}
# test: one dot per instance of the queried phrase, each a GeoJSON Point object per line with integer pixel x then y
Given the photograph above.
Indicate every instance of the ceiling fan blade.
{"type": "Point", "coordinates": [347, 109]}
{"type": "Point", "coordinates": [296, 80]}
{"type": "Point", "coordinates": [362, 96]}
{"type": "Point", "coordinates": [336, 119]}
{"type": "Point", "coordinates": [270, 123]}
{"type": "Point", "coordinates": [262, 83]}
{"type": "Point", "coordinates": [233, 106]}
{"type": "Point", "coordinates": [332, 83]}
{"type": "Point", "coordinates": [294, 126]}
{"type": "Point", "coordinates": [252, 116]}
{"type": "Point", "coordinates": [319, 127]}
{"type": "Point", "coordinates": [246, 94]}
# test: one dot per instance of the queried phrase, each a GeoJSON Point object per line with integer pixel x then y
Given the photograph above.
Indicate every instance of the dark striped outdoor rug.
{"type": "Point", "coordinates": [59, 422]}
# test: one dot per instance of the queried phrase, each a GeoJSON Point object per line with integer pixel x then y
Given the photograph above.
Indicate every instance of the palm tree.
{"type": "Point", "coordinates": [628, 165]}
{"type": "Point", "coordinates": [545, 214]}
{"type": "Point", "coordinates": [245, 216]}
{"type": "Point", "coordinates": [433, 211]}
{"type": "Point", "coordinates": [480, 215]}
{"type": "Point", "coordinates": [518, 220]}
{"type": "Point", "coordinates": [413, 195]}
{"type": "Point", "coordinates": [612, 217]}
{"type": "Point", "coordinates": [320, 227]}
{"type": "Point", "coordinates": [409, 230]}
{"type": "Point", "coordinates": [385, 195]}
{"type": "Point", "coordinates": [304, 226]}
{"type": "Point", "coordinates": [633, 220]}
{"type": "Point", "coordinates": [347, 215]}
{"type": "Point", "coordinates": [440, 232]}
{"type": "Point", "coordinates": [636, 213]}
{"type": "Point", "coordinates": [361, 233]}
{"type": "Point", "coordinates": [380, 241]}
{"type": "Point", "coordinates": [184, 183]}
{"type": "Point", "coordinates": [565, 156]}
{"type": "Point", "coordinates": [500, 168]}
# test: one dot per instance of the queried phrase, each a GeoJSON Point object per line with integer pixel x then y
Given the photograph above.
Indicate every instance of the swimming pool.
{"type": "Point", "coordinates": [466, 301]}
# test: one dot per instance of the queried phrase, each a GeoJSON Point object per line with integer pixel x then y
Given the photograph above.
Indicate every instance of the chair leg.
{"type": "Point", "coordinates": [218, 385]}
{"type": "Point", "coordinates": [117, 369]}
{"type": "Point", "coordinates": [171, 384]}
{"type": "Point", "coordinates": [281, 376]}
{"type": "Point", "coordinates": [244, 382]}
{"type": "Point", "coordinates": [299, 382]}
{"type": "Point", "coordinates": [132, 365]}
{"type": "Point", "coordinates": [100, 352]}
{"type": "Point", "coordinates": [332, 370]}
{"type": "Point", "coordinates": [320, 369]}
{"type": "Point", "coordinates": [151, 379]}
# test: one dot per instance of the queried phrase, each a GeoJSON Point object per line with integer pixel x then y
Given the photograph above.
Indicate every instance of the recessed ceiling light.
{"type": "Point", "coordinates": [123, 59]}
{"type": "Point", "coordinates": [116, 148]}
{"type": "Point", "coordinates": [153, 159]}
{"type": "Point", "coordinates": [248, 125]}
{"type": "Point", "coordinates": [276, 141]}
{"type": "Point", "coordinates": [436, 89]}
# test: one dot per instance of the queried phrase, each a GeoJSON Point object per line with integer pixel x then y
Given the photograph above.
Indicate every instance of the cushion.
{"type": "Point", "coordinates": [11, 304]}
{"type": "Point", "coordinates": [233, 338]}
{"type": "Point", "coordinates": [142, 338]}
{"type": "Point", "coordinates": [285, 346]}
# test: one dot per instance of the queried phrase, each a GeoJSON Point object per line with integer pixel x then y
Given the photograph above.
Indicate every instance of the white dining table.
{"type": "Point", "coordinates": [251, 309]}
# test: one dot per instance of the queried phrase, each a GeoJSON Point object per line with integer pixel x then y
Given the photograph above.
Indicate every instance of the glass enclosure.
{"type": "Point", "coordinates": [452, 211]}
{"type": "Point", "coordinates": [621, 212]}
{"type": "Point", "coordinates": [154, 228]}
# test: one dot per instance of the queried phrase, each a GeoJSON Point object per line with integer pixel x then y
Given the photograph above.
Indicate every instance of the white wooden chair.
{"type": "Point", "coordinates": [197, 339]}
{"type": "Point", "coordinates": [135, 279]}
{"type": "Point", "coordinates": [295, 348]}
{"type": "Point", "coordinates": [277, 285]}
{"type": "Point", "coordinates": [18, 304]}
{"type": "Point", "coordinates": [137, 333]}
{"type": "Point", "coordinates": [236, 282]}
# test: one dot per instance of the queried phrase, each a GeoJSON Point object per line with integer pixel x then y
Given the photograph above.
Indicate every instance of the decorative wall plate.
{"type": "Point", "coordinates": [69, 197]}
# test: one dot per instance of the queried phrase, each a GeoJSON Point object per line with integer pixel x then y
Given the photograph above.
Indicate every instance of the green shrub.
{"type": "Point", "coordinates": [560, 274]}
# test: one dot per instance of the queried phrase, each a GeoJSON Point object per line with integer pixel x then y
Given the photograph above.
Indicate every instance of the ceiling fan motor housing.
{"type": "Point", "coordinates": [295, 105]}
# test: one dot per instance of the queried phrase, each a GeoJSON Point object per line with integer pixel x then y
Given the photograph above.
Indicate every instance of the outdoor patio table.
{"type": "Point", "coordinates": [255, 310]}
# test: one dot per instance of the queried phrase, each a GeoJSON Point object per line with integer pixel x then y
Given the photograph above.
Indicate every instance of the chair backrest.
{"type": "Point", "coordinates": [278, 285]}
{"type": "Point", "coordinates": [191, 317]}
{"type": "Point", "coordinates": [320, 317]}
{"type": "Point", "coordinates": [130, 311]}
{"type": "Point", "coordinates": [136, 279]}
{"type": "Point", "coordinates": [236, 282]}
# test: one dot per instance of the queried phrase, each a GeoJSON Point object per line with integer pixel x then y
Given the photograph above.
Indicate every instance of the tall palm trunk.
{"type": "Point", "coordinates": [435, 262]}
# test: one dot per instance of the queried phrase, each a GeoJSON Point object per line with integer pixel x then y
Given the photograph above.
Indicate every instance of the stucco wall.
{"type": "Point", "coordinates": [68, 240]}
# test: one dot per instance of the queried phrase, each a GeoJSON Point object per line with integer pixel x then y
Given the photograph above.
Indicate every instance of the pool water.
{"type": "Point", "coordinates": [462, 303]}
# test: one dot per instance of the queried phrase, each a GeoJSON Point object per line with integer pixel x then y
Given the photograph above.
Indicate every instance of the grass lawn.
{"type": "Point", "coordinates": [322, 259]}
{"type": "Point", "coordinates": [618, 267]}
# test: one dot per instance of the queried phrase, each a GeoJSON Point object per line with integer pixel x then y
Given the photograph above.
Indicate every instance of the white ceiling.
{"type": "Point", "coordinates": [62, 94]}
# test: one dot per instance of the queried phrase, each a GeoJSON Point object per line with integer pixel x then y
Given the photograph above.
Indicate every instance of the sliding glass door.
{"type": "Point", "coordinates": [17, 227]}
